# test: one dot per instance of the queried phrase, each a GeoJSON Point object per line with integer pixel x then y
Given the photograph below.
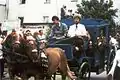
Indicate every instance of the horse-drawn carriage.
{"type": "Point", "coordinates": [87, 60]}
{"type": "Point", "coordinates": [90, 60]}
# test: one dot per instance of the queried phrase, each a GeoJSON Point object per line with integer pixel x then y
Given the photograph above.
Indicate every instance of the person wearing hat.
{"type": "Point", "coordinates": [79, 30]}
{"type": "Point", "coordinates": [59, 30]}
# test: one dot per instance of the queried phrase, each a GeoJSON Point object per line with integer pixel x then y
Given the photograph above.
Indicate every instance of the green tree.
{"type": "Point", "coordinates": [101, 9]}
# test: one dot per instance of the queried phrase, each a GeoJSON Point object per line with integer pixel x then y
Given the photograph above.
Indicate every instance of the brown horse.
{"type": "Point", "coordinates": [11, 47]}
{"type": "Point", "coordinates": [57, 59]}
{"type": "Point", "coordinates": [27, 46]}
{"type": "Point", "coordinates": [19, 50]}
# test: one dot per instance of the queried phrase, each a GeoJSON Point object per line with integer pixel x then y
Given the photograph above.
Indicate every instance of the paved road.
{"type": "Point", "coordinates": [101, 76]}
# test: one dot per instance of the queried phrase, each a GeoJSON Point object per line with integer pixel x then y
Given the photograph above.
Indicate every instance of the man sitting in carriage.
{"type": "Point", "coordinates": [78, 30]}
{"type": "Point", "coordinates": [59, 30]}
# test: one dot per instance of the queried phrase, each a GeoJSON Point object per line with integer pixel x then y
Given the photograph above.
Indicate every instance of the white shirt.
{"type": "Point", "coordinates": [116, 62]}
{"type": "Point", "coordinates": [80, 30]}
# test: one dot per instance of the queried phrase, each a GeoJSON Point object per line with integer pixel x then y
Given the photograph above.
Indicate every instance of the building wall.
{"type": "Point", "coordinates": [13, 9]}
{"type": "Point", "coordinates": [2, 13]}
{"type": "Point", "coordinates": [35, 10]}
{"type": "Point", "coordinates": [11, 20]}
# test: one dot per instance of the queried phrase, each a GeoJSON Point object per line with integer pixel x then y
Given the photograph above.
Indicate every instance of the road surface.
{"type": "Point", "coordinates": [101, 76]}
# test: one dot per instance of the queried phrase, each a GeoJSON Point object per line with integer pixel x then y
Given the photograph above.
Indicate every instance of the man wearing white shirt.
{"type": "Point", "coordinates": [77, 29]}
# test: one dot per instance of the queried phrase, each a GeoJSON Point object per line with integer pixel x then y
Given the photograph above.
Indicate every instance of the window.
{"type": "Point", "coordinates": [47, 2]}
{"type": "Point", "coordinates": [22, 1]}
{"type": "Point", "coordinates": [46, 18]}
{"type": "Point", "coordinates": [74, 0]}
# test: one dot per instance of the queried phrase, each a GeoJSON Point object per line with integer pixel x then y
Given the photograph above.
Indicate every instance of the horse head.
{"type": "Point", "coordinates": [13, 41]}
{"type": "Point", "coordinates": [31, 47]}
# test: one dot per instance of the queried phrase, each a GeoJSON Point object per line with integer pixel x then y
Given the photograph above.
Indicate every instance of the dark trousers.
{"type": "Point", "coordinates": [1, 68]}
{"type": "Point", "coordinates": [117, 73]}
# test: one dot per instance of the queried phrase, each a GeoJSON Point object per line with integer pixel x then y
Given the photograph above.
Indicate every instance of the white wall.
{"type": "Point", "coordinates": [2, 13]}
{"type": "Point", "coordinates": [36, 9]}
{"type": "Point", "coordinates": [13, 6]}
{"type": "Point", "coordinates": [21, 12]}
{"type": "Point", "coordinates": [2, 10]}
{"type": "Point", "coordinates": [11, 21]}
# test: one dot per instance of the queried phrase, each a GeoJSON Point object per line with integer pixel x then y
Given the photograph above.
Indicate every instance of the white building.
{"type": "Point", "coordinates": [35, 11]}
{"type": "Point", "coordinates": [40, 11]}
{"type": "Point", "coordinates": [3, 11]}
{"type": "Point", "coordinates": [31, 11]}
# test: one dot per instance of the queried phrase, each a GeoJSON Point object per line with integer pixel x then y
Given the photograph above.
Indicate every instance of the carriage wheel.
{"type": "Point", "coordinates": [110, 60]}
{"type": "Point", "coordinates": [84, 71]}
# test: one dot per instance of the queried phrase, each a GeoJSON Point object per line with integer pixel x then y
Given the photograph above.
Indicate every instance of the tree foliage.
{"type": "Point", "coordinates": [97, 9]}
{"type": "Point", "coordinates": [101, 9]}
